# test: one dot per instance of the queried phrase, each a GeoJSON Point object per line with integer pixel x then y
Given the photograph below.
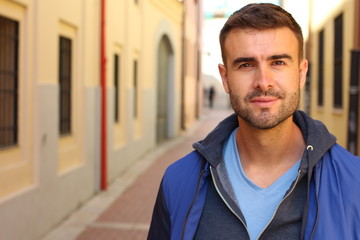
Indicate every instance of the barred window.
{"type": "Point", "coordinates": [135, 79]}
{"type": "Point", "coordinates": [9, 41]}
{"type": "Point", "coordinates": [65, 82]}
{"type": "Point", "coordinates": [321, 70]}
{"type": "Point", "coordinates": [117, 87]}
{"type": "Point", "coordinates": [338, 62]}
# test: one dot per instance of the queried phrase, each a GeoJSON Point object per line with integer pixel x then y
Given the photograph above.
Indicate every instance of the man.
{"type": "Point", "coordinates": [212, 93]}
{"type": "Point", "coordinates": [269, 171]}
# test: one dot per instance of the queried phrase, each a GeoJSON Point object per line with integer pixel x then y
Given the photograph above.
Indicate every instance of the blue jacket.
{"type": "Point", "coordinates": [332, 209]}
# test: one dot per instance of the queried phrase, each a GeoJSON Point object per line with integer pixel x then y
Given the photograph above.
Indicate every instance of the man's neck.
{"type": "Point", "coordinates": [267, 154]}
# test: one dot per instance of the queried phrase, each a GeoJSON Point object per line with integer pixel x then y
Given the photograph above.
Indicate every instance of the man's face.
{"type": "Point", "coordinates": [263, 75]}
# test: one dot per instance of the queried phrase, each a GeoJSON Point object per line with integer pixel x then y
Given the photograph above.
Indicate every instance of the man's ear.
{"type": "Point", "coordinates": [303, 71]}
{"type": "Point", "coordinates": [224, 77]}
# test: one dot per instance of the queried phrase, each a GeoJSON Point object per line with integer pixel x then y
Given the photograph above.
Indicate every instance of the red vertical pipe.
{"type": "Point", "coordinates": [103, 177]}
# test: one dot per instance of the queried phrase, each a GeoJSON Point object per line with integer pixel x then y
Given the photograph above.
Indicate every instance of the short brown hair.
{"type": "Point", "coordinates": [261, 16]}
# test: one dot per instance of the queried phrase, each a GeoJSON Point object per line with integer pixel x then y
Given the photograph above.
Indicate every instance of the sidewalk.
{"type": "Point", "coordinates": [124, 210]}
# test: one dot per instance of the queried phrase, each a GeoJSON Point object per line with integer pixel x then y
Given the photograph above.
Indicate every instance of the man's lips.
{"type": "Point", "coordinates": [264, 101]}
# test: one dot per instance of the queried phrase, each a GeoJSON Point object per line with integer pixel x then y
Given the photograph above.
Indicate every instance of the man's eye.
{"type": "Point", "coordinates": [279, 62]}
{"type": "Point", "coordinates": [245, 65]}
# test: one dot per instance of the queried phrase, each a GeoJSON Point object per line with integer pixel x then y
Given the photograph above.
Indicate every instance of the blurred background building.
{"type": "Point", "coordinates": [333, 52]}
{"type": "Point", "coordinates": [88, 87]}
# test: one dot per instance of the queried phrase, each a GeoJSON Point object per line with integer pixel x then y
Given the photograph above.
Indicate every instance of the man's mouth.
{"type": "Point", "coordinates": [264, 101]}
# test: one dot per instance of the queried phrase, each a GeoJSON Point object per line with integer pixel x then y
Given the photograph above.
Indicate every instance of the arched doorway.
{"type": "Point", "coordinates": [165, 69]}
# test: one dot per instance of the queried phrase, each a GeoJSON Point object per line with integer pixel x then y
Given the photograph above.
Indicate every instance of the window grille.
{"type": "Point", "coordinates": [135, 76]}
{"type": "Point", "coordinates": [354, 96]}
{"type": "Point", "coordinates": [65, 81]}
{"type": "Point", "coordinates": [9, 42]}
{"type": "Point", "coordinates": [321, 70]}
{"type": "Point", "coordinates": [338, 62]}
{"type": "Point", "coordinates": [117, 87]}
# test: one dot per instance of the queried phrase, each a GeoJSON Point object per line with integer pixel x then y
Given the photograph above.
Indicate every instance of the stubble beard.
{"type": "Point", "coordinates": [265, 120]}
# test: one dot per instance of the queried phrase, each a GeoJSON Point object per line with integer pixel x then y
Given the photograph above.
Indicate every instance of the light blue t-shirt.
{"type": "Point", "coordinates": [258, 205]}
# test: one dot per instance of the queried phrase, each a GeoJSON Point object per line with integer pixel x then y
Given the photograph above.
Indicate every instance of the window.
{"type": "Point", "coordinates": [135, 79]}
{"type": "Point", "coordinates": [65, 85]}
{"type": "Point", "coordinates": [338, 62]}
{"type": "Point", "coordinates": [321, 70]}
{"type": "Point", "coordinates": [9, 38]}
{"type": "Point", "coordinates": [117, 87]}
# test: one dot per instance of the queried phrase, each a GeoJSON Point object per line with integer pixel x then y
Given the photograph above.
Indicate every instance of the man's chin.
{"type": "Point", "coordinates": [263, 121]}
{"type": "Point", "coordinates": [264, 125]}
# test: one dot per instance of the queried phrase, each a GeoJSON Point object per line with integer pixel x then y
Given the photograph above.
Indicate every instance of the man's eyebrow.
{"type": "Point", "coordinates": [243, 59]}
{"type": "Point", "coordinates": [280, 56]}
{"type": "Point", "coordinates": [252, 59]}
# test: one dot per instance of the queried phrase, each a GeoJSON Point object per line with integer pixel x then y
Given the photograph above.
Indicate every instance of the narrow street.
{"type": "Point", "coordinates": [124, 210]}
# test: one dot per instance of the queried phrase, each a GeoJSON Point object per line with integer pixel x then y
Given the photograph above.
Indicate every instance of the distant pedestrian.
{"type": "Point", "coordinates": [269, 171]}
{"type": "Point", "coordinates": [211, 96]}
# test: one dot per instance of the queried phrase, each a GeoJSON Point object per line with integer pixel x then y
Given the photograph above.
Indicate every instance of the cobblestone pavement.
{"type": "Point", "coordinates": [124, 210]}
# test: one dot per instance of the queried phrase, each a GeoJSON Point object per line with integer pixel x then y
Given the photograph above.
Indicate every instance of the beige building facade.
{"type": "Point", "coordinates": [192, 87]}
{"type": "Point", "coordinates": [81, 99]}
{"type": "Point", "coordinates": [334, 41]}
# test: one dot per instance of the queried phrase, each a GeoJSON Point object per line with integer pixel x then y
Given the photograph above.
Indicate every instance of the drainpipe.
{"type": "Point", "coordinates": [357, 21]}
{"type": "Point", "coordinates": [103, 164]}
{"type": "Point", "coordinates": [183, 68]}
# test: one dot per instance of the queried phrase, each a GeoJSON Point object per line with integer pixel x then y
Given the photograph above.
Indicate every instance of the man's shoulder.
{"type": "Point", "coordinates": [343, 164]}
{"type": "Point", "coordinates": [338, 195]}
{"type": "Point", "coordinates": [339, 153]}
{"type": "Point", "coordinates": [183, 173]}
{"type": "Point", "coordinates": [182, 168]}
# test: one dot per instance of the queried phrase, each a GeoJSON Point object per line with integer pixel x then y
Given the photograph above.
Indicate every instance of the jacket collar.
{"type": "Point", "coordinates": [317, 138]}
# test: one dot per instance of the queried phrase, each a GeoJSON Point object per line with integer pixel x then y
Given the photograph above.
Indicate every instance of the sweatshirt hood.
{"type": "Point", "coordinates": [317, 138]}
{"type": "Point", "coordinates": [211, 146]}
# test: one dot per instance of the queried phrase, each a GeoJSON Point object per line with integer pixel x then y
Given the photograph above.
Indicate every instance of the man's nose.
{"type": "Point", "coordinates": [263, 78]}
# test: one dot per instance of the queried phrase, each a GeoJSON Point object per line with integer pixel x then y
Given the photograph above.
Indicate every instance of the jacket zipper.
{"type": "Point", "coordinates": [192, 204]}
{"type": "Point", "coordinates": [226, 203]}
{"type": "Point", "coordinates": [291, 190]}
